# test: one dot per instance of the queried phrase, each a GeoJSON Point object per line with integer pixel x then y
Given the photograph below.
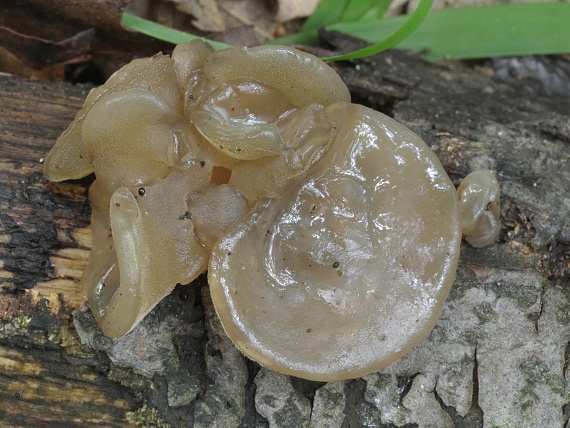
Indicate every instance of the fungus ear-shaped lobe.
{"type": "Point", "coordinates": [100, 279]}
{"type": "Point", "coordinates": [349, 270]}
{"type": "Point", "coordinates": [68, 159]}
{"type": "Point", "coordinates": [256, 132]}
{"type": "Point", "coordinates": [128, 134]}
{"type": "Point", "coordinates": [305, 133]}
{"type": "Point", "coordinates": [479, 208]}
{"type": "Point", "coordinates": [301, 77]}
{"type": "Point", "coordinates": [239, 120]}
{"type": "Point", "coordinates": [189, 58]}
{"type": "Point", "coordinates": [155, 247]}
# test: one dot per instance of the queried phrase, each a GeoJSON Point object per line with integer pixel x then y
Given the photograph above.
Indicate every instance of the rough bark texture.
{"type": "Point", "coordinates": [497, 357]}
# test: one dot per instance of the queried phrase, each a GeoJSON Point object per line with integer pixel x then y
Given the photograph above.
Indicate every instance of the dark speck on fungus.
{"type": "Point", "coordinates": [254, 155]}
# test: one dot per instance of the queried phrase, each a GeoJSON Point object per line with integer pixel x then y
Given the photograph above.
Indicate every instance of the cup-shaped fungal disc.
{"type": "Point", "coordinates": [348, 270]}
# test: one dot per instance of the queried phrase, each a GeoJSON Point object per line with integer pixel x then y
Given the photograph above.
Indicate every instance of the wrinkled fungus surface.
{"type": "Point", "coordinates": [330, 232]}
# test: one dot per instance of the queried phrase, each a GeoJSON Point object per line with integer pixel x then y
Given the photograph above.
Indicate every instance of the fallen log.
{"type": "Point", "coordinates": [498, 355]}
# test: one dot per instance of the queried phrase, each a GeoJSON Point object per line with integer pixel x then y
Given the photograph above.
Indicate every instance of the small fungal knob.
{"type": "Point", "coordinates": [479, 208]}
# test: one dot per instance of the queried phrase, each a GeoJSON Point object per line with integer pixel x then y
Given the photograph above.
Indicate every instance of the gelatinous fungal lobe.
{"type": "Point", "coordinates": [479, 200]}
{"type": "Point", "coordinates": [69, 159]}
{"type": "Point", "coordinates": [330, 232]}
{"type": "Point", "coordinates": [146, 161]}
{"type": "Point", "coordinates": [348, 270]}
{"type": "Point", "coordinates": [179, 146]}
{"type": "Point", "coordinates": [265, 118]}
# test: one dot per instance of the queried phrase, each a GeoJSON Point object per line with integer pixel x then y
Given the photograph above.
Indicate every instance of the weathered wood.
{"type": "Point", "coordinates": [35, 225]}
{"type": "Point", "coordinates": [497, 356]}
{"type": "Point", "coordinates": [48, 378]}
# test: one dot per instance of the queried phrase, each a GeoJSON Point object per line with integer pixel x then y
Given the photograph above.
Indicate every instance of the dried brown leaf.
{"type": "Point", "coordinates": [290, 9]}
{"type": "Point", "coordinates": [205, 12]}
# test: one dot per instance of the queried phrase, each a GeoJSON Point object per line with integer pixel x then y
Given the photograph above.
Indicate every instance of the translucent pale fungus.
{"type": "Point", "coordinates": [330, 232]}
{"type": "Point", "coordinates": [479, 195]}
{"type": "Point", "coordinates": [347, 271]}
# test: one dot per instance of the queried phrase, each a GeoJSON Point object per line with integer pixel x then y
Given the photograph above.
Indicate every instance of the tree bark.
{"type": "Point", "coordinates": [498, 355]}
{"type": "Point", "coordinates": [48, 377]}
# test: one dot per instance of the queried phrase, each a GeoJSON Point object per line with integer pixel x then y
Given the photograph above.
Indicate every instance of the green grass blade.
{"type": "Point", "coordinates": [330, 12]}
{"type": "Point", "coordinates": [327, 12]}
{"type": "Point", "coordinates": [161, 32]}
{"type": "Point", "coordinates": [478, 32]}
{"type": "Point", "coordinates": [358, 10]}
{"type": "Point", "coordinates": [409, 25]}
{"type": "Point", "coordinates": [383, 7]}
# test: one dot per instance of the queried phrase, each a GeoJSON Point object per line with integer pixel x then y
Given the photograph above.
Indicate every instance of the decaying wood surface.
{"type": "Point", "coordinates": [50, 378]}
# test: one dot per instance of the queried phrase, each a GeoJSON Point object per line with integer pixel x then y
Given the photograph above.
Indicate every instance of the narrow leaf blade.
{"type": "Point", "coordinates": [161, 32]}
{"type": "Point", "coordinates": [478, 32]}
{"type": "Point", "coordinates": [355, 9]}
{"type": "Point", "coordinates": [327, 12]}
{"type": "Point", "coordinates": [409, 25]}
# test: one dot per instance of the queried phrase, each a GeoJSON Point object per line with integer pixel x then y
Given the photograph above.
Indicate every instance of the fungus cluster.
{"type": "Point", "coordinates": [330, 232]}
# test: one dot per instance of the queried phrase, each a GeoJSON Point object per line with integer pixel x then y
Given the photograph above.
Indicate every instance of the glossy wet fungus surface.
{"type": "Point", "coordinates": [329, 231]}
